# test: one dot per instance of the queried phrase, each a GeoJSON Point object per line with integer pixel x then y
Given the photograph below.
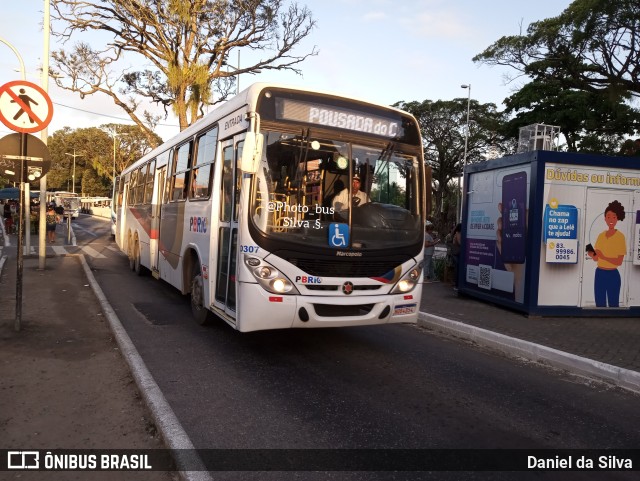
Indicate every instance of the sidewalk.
{"type": "Point", "coordinates": [63, 237]}
{"type": "Point", "coordinates": [65, 384]}
{"type": "Point", "coordinates": [603, 348]}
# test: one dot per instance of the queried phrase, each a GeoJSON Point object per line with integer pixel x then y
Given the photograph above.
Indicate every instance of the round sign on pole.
{"type": "Point", "coordinates": [31, 157]}
{"type": "Point", "coordinates": [25, 107]}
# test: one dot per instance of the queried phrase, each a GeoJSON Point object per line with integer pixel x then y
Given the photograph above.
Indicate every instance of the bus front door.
{"type": "Point", "coordinates": [227, 249]}
{"type": "Point", "coordinates": [156, 211]}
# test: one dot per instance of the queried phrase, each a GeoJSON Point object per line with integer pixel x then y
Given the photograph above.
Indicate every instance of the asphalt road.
{"type": "Point", "coordinates": [388, 387]}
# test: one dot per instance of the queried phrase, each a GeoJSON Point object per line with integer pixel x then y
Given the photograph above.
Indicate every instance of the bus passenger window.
{"type": "Point", "coordinates": [227, 184]}
{"type": "Point", "coordinates": [178, 187]}
{"type": "Point", "coordinates": [200, 182]}
{"type": "Point", "coordinates": [182, 164]}
{"type": "Point", "coordinates": [204, 159]}
{"type": "Point", "coordinates": [142, 181]}
{"type": "Point", "coordinates": [148, 191]}
{"type": "Point", "coordinates": [133, 188]}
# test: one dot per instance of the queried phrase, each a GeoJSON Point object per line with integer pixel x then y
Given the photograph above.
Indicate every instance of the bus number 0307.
{"type": "Point", "coordinates": [249, 249]}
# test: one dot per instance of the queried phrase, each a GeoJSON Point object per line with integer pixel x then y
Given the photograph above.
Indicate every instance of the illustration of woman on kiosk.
{"type": "Point", "coordinates": [609, 253]}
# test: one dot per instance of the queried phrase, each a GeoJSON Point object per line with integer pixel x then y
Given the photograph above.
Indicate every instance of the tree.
{"type": "Point", "coordinates": [128, 143]}
{"type": "Point", "coordinates": [443, 127]}
{"type": "Point", "coordinates": [583, 67]}
{"type": "Point", "coordinates": [592, 46]}
{"type": "Point", "coordinates": [94, 185]}
{"type": "Point", "coordinates": [590, 121]}
{"type": "Point", "coordinates": [385, 192]}
{"type": "Point", "coordinates": [94, 156]}
{"type": "Point", "coordinates": [630, 148]}
{"type": "Point", "coordinates": [184, 45]}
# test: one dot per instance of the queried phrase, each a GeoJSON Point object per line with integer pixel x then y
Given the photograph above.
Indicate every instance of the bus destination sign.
{"type": "Point", "coordinates": [330, 116]}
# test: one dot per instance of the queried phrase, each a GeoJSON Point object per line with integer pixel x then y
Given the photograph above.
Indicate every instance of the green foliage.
{"type": "Point", "coordinates": [582, 116]}
{"type": "Point", "coordinates": [443, 124]}
{"type": "Point", "coordinates": [389, 194]}
{"type": "Point", "coordinates": [94, 161]}
{"type": "Point", "coordinates": [95, 185]}
{"type": "Point", "coordinates": [584, 70]}
{"type": "Point", "coordinates": [385, 192]}
{"type": "Point", "coordinates": [184, 46]}
{"type": "Point", "coordinates": [592, 45]}
{"type": "Point", "coordinates": [439, 267]}
{"type": "Point", "coordinates": [630, 148]}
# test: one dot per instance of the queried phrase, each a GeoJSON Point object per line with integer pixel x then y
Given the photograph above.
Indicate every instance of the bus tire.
{"type": "Point", "coordinates": [131, 248]}
{"type": "Point", "coordinates": [201, 314]}
{"type": "Point", "coordinates": [134, 260]}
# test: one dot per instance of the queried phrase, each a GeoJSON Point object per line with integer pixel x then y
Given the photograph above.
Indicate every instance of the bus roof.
{"type": "Point", "coordinates": [64, 194]}
{"type": "Point", "coordinates": [245, 97]}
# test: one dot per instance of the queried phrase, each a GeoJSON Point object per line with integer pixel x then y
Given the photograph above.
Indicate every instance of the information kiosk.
{"type": "Point", "coordinates": [553, 233]}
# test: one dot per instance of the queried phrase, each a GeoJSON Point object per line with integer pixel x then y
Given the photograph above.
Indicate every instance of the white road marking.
{"type": "Point", "coordinates": [92, 252]}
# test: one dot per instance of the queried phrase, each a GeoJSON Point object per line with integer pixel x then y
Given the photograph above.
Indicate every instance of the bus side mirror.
{"type": "Point", "coordinates": [251, 152]}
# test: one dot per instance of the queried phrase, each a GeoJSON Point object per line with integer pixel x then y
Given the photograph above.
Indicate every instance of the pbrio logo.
{"type": "Point", "coordinates": [309, 280]}
{"type": "Point", "coordinates": [198, 224]}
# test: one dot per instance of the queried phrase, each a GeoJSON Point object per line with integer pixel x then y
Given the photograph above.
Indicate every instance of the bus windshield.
{"type": "Point", "coordinates": [69, 203]}
{"type": "Point", "coordinates": [334, 194]}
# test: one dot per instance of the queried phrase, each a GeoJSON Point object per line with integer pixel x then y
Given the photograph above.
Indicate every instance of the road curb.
{"type": "Point", "coordinates": [3, 232]}
{"type": "Point", "coordinates": [165, 419]}
{"type": "Point", "coordinates": [73, 237]}
{"type": "Point", "coordinates": [583, 366]}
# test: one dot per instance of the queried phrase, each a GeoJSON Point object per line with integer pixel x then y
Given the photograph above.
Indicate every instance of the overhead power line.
{"type": "Point", "coordinates": [105, 115]}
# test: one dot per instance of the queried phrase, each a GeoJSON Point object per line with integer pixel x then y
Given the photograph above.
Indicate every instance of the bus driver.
{"type": "Point", "coordinates": [341, 201]}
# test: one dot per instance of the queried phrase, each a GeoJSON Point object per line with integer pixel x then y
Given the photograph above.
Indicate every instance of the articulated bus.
{"type": "Point", "coordinates": [253, 211]}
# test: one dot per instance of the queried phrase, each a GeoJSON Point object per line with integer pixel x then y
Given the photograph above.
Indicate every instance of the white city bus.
{"type": "Point", "coordinates": [70, 201]}
{"type": "Point", "coordinates": [238, 211]}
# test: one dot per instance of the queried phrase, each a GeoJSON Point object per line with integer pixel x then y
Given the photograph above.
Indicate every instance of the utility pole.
{"type": "Point", "coordinates": [44, 136]}
{"type": "Point", "coordinates": [466, 142]}
{"type": "Point", "coordinates": [73, 176]}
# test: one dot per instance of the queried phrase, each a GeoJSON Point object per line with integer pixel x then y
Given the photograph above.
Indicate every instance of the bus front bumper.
{"type": "Point", "coordinates": [260, 310]}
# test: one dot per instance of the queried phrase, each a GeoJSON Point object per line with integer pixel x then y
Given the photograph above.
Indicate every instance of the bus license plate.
{"type": "Point", "coordinates": [404, 309]}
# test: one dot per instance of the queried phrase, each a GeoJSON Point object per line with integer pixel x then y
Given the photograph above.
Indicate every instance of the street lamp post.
{"type": "Point", "coordinates": [113, 133]}
{"type": "Point", "coordinates": [238, 75]}
{"type": "Point", "coordinates": [114, 159]}
{"type": "Point", "coordinates": [44, 136]}
{"type": "Point", "coordinates": [22, 70]}
{"type": "Point", "coordinates": [466, 143]}
{"type": "Point", "coordinates": [73, 176]}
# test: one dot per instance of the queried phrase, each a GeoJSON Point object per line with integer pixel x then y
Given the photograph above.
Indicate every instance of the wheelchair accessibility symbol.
{"type": "Point", "coordinates": [338, 235]}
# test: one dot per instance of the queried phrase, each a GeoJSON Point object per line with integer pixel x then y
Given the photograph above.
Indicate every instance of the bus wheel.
{"type": "Point", "coordinates": [134, 259]}
{"type": "Point", "coordinates": [132, 254]}
{"type": "Point", "coordinates": [201, 314]}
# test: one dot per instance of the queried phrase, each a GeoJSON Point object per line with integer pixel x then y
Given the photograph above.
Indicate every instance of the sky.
{"type": "Point", "coordinates": [382, 51]}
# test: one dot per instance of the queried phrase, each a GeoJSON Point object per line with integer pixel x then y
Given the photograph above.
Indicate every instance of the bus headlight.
{"type": "Point", "coordinates": [281, 285]}
{"type": "Point", "coordinates": [408, 281]}
{"type": "Point", "coordinates": [269, 277]}
{"type": "Point", "coordinates": [263, 272]}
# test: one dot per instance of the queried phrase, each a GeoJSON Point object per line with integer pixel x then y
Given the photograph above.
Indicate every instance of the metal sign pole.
{"type": "Point", "coordinates": [23, 154]}
{"type": "Point", "coordinates": [33, 114]}
{"type": "Point", "coordinates": [69, 228]}
{"type": "Point", "coordinates": [27, 213]}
